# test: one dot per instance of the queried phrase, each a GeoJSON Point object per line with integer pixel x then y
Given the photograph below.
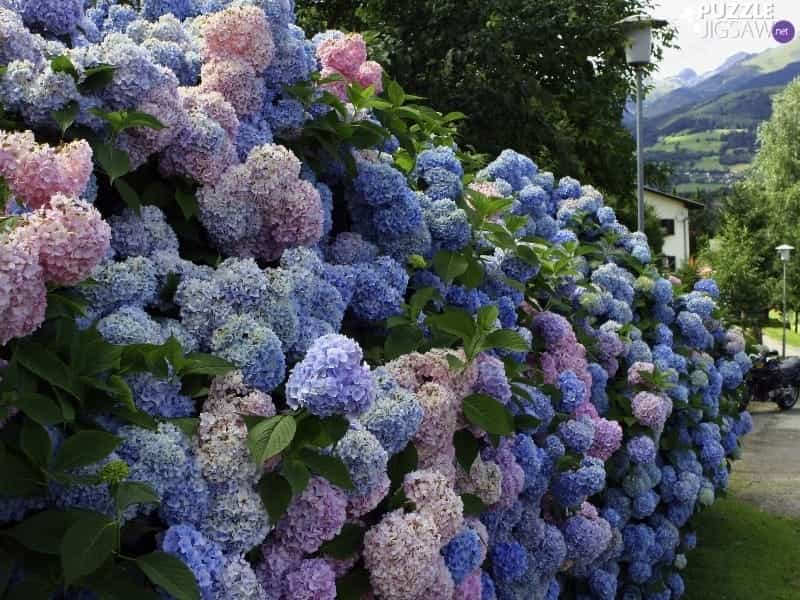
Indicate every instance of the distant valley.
{"type": "Point", "coordinates": [706, 125]}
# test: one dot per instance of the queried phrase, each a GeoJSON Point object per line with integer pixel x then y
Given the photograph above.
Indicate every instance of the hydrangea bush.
{"type": "Point", "coordinates": [267, 332]}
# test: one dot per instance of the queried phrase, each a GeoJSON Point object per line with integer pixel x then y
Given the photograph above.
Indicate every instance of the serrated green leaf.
{"type": "Point", "coordinates": [402, 463]}
{"type": "Point", "coordinates": [87, 544]}
{"type": "Point", "coordinates": [330, 467]}
{"type": "Point", "coordinates": [188, 425]}
{"type": "Point", "coordinates": [187, 202]}
{"type": "Point", "coordinates": [65, 116]}
{"type": "Point", "coordinates": [96, 77]}
{"type": "Point", "coordinates": [276, 494]}
{"type": "Point", "coordinates": [42, 409]}
{"type": "Point", "coordinates": [453, 321]}
{"type": "Point", "coordinates": [467, 448]}
{"type": "Point", "coordinates": [297, 474]}
{"type": "Point", "coordinates": [128, 493]}
{"type": "Point", "coordinates": [449, 265]}
{"type": "Point", "coordinates": [129, 195]}
{"type": "Point", "coordinates": [473, 506]}
{"type": "Point", "coordinates": [526, 422]}
{"type": "Point", "coordinates": [114, 162]}
{"type": "Point", "coordinates": [35, 443]}
{"type": "Point", "coordinates": [487, 317]}
{"type": "Point", "coordinates": [44, 531]}
{"type": "Point", "coordinates": [63, 64]}
{"type": "Point", "coordinates": [506, 339]}
{"type": "Point", "coordinates": [84, 448]}
{"type": "Point", "coordinates": [488, 414]}
{"type": "Point", "coordinates": [171, 574]}
{"type": "Point", "coordinates": [47, 365]}
{"type": "Point", "coordinates": [198, 363]}
{"type": "Point", "coordinates": [346, 544]}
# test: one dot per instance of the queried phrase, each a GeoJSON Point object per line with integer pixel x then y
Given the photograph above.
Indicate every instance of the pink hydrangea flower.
{"type": "Point", "coordinates": [607, 438]}
{"type": "Point", "coordinates": [347, 56]}
{"type": "Point", "coordinates": [23, 295]}
{"type": "Point", "coordinates": [358, 506]}
{"type": "Point", "coordinates": [238, 83]}
{"type": "Point", "coordinates": [487, 188]}
{"type": "Point", "coordinates": [73, 238]}
{"type": "Point", "coordinates": [344, 54]}
{"type": "Point", "coordinates": [635, 372]}
{"type": "Point", "coordinates": [35, 172]}
{"type": "Point", "coordinates": [401, 555]}
{"type": "Point", "coordinates": [240, 33]}
{"type": "Point", "coordinates": [432, 493]}
{"type": "Point", "coordinates": [651, 410]}
{"type": "Point", "coordinates": [212, 104]}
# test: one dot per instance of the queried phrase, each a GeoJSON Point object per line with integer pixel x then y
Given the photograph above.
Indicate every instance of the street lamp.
{"type": "Point", "coordinates": [638, 50]}
{"type": "Point", "coordinates": [785, 252]}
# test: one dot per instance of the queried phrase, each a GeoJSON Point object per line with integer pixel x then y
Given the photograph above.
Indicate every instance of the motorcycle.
{"type": "Point", "coordinates": [774, 380]}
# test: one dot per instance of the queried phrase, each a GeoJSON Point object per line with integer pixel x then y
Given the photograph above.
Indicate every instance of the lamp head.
{"type": "Point", "coordinates": [639, 29]}
{"type": "Point", "coordinates": [785, 252]}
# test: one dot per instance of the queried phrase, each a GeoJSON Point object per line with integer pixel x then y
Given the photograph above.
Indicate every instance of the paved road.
{"type": "Point", "coordinates": [768, 475]}
{"type": "Point", "coordinates": [775, 344]}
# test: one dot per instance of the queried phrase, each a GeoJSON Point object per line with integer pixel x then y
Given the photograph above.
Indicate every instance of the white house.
{"type": "Point", "coordinates": [673, 212]}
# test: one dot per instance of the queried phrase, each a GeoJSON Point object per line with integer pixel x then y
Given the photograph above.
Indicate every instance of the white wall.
{"type": "Point", "coordinates": [666, 208]}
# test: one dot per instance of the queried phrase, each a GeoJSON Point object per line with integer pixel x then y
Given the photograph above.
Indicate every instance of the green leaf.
{"type": "Point", "coordinates": [122, 391]}
{"type": "Point", "coordinates": [488, 414]}
{"type": "Point", "coordinates": [487, 316]}
{"type": "Point", "coordinates": [276, 494]}
{"type": "Point", "coordinates": [42, 409]}
{"type": "Point", "coordinates": [35, 443]}
{"type": "Point", "coordinates": [395, 93]}
{"type": "Point", "coordinates": [87, 544]}
{"type": "Point", "coordinates": [84, 448]}
{"type": "Point", "coordinates": [274, 438]}
{"type": "Point", "coordinates": [188, 425]}
{"type": "Point", "coordinates": [63, 64]}
{"type": "Point", "coordinates": [420, 299]}
{"type": "Point", "coordinates": [65, 116]}
{"type": "Point", "coordinates": [454, 321]}
{"type": "Point", "coordinates": [449, 265]}
{"type": "Point", "coordinates": [455, 363]}
{"type": "Point", "coordinates": [296, 473]}
{"type": "Point", "coordinates": [526, 422]}
{"type": "Point", "coordinates": [44, 531]}
{"type": "Point", "coordinates": [129, 195]}
{"type": "Point", "coordinates": [171, 574]}
{"type": "Point", "coordinates": [138, 418]}
{"type": "Point", "coordinates": [354, 585]}
{"type": "Point", "coordinates": [473, 506]}
{"type": "Point", "coordinates": [46, 364]}
{"type": "Point", "coordinates": [127, 119]}
{"type": "Point", "coordinates": [134, 492]}
{"type": "Point", "coordinates": [96, 77]}
{"type": "Point", "coordinates": [19, 477]}
{"type": "Point", "coordinates": [506, 339]}
{"type": "Point", "coordinates": [467, 448]}
{"type": "Point", "coordinates": [402, 463]}
{"type": "Point", "coordinates": [113, 161]}
{"type": "Point", "coordinates": [198, 363]}
{"type": "Point", "coordinates": [334, 428]}
{"type": "Point", "coordinates": [187, 202]}
{"type": "Point", "coordinates": [402, 340]}
{"type": "Point", "coordinates": [330, 467]}
{"type": "Point", "coordinates": [473, 276]}
{"type": "Point", "coordinates": [258, 437]}
{"type": "Point", "coordinates": [347, 543]}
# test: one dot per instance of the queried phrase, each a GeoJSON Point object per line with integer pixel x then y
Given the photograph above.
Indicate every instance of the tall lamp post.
{"type": "Point", "coordinates": [785, 252]}
{"type": "Point", "coordinates": [638, 51]}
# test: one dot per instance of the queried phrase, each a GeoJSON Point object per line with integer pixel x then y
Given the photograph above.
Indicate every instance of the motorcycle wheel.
{"type": "Point", "coordinates": [789, 398]}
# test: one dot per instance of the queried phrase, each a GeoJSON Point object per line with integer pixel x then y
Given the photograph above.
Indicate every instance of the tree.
{"type": "Point", "coordinates": [547, 78]}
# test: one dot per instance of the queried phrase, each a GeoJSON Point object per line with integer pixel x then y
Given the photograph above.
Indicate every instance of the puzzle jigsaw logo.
{"type": "Point", "coordinates": [739, 21]}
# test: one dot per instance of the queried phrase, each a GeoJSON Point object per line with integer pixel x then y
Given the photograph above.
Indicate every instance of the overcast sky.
{"type": "Point", "coordinates": [704, 25]}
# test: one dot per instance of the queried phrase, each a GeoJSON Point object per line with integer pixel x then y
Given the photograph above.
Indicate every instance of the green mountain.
{"type": "Point", "coordinates": [707, 128]}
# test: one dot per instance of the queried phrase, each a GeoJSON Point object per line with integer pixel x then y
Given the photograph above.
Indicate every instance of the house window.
{"type": "Point", "coordinates": [669, 263]}
{"type": "Point", "coordinates": [668, 225]}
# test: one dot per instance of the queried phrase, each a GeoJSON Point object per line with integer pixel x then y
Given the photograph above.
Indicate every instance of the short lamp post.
{"type": "Point", "coordinates": [638, 52]}
{"type": "Point", "coordinates": [785, 252]}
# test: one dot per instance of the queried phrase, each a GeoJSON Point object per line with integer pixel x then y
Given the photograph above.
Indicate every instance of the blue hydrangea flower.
{"type": "Point", "coordinates": [394, 417]}
{"type": "Point", "coordinates": [463, 554]}
{"type": "Point", "coordinates": [509, 561]}
{"type": "Point", "coordinates": [331, 379]}
{"type": "Point", "coordinates": [364, 457]}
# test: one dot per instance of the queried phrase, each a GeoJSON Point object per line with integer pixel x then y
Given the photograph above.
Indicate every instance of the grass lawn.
{"type": "Point", "coordinates": [774, 329]}
{"type": "Point", "coordinates": [689, 188]}
{"type": "Point", "coordinates": [744, 554]}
